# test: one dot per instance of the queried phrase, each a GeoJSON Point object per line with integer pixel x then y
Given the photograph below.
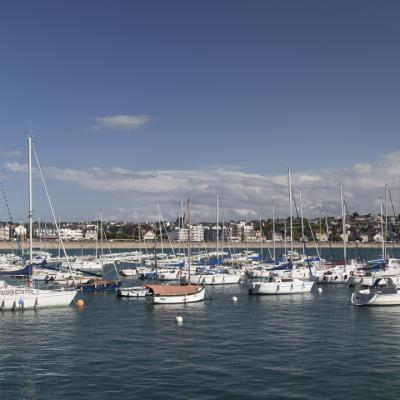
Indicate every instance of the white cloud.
{"type": "Point", "coordinates": [10, 153]}
{"type": "Point", "coordinates": [242, 193]}
{"type": "Point", "coordinates": [122, 122]}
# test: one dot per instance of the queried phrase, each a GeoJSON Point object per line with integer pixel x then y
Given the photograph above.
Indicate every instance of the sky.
{"type": "Point", "coordinates": [139, 103]}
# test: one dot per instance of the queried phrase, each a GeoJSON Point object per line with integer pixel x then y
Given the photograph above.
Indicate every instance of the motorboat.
{"type": "Point", "coordinates": [384, 292]}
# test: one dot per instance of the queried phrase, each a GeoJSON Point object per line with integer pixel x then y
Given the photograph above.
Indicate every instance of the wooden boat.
{"type": "Point", "coordinates": [175, 294]}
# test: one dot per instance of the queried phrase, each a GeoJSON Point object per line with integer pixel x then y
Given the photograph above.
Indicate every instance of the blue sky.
{"type": "Point", "coordinates": [167, 94]}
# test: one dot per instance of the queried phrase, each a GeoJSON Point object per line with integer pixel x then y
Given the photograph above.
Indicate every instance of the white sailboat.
{"type": "Point", "coordinates": [277, 285]}
{"type": "Point", "coordinates": [178, 294]}
{"type": "Point", "coordinates": [14, 298]}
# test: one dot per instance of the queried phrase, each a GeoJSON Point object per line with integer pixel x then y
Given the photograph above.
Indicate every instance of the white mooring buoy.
{"type": "Point", "coordinates": [319, 290]}
{"type": "Point", "coordinates": [179, 320]}
{"type": "Point", "coordinates": [234, 299]}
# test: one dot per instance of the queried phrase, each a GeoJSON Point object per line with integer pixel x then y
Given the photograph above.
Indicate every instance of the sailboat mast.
{"type": "Point", "coordinates": [386, 220]}
{"type": "Point", "coordinates": [189, 240]}
{"type": "Point", "coordinates": [383, 233]}
{"type": "Point", "coordinates": [160, 228]}
{"type": "Point", "coordinates": [343, 224]}
{"type": "Point", "coordinates": [273, 231]}
{"type": "Point", "coordinates": [101, 236]}
{"type": "Point", "coordinates": [30, 197]}
{"type": "Point", "coordinates": [291, 214]}
{"type": "Point", "coordinates": [217, 229]}
{"type": "Point", "coordinates": [302, 224]}
{"type": "Point", "coordinates": [285, 237]}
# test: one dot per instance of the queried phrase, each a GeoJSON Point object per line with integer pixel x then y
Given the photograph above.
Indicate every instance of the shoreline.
{"type": "Point", "coordinates": [131, 245]}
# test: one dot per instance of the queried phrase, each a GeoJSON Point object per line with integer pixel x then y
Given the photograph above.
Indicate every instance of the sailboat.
{"type": "Point", "coordinates": [14, 298]}
{"type": "Point", "coordinates": [276, 285]}
{"type": "Point", "coordinates": [178, 294]}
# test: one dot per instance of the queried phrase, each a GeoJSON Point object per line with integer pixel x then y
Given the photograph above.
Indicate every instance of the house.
{"type": "Point", "coordinates": [149, 236]}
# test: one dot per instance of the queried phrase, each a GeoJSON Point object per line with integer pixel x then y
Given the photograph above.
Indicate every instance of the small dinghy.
{"type": "Point", "coordinates": [384, 292]}
{"type": "Point", "coordinates": [136, 291]}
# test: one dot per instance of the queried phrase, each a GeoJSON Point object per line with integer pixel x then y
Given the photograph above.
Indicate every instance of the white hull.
{"type": "Point", "coordinates": [366, 299]}
{"type": "Point", "coordinates": [216, 279]}
{"type": "Point", "coordinates": [277, 288]}
{"type": "Point", "coordinates": [132, 292]}
{"type": "Point", "coordinates": [20, 298]}
{"type": "Point", "coordinates": [179, 299]}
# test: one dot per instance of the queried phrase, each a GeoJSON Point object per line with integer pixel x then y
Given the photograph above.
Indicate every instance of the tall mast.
{"type": "Point", "coordinates": [302, 225]}
{"type": "Point", "coordinates": [101, 236]}
{"type": "Point", "coordinates": [189, 240]}
{"type": "Point", "coordinates": [285, 237]}
{"type": "Point", "coordinates": [343, 225]}
{"type": "Point", "coordinates": [273, 230]}
{"type": "Point", "coordinates": [30, 196]}
{"type": "Point", "coordinates": [383, 233]}
{"type": "Point", "coordinates": [291, 214]}
{"type": "Point", "coordinates": [97, 240]}
{"type": "Point", "coordinates": [217, 229]}
{"type": "Point", "coordinates": [386, 220]}
{"type": "Point", "coordinates": [160, 228]}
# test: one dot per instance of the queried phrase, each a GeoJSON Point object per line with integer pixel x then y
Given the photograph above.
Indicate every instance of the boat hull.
{"type": "Point", "coordinates": [275, 288]}
{"type": "Point", "coordinates": [365, 299]}
{"type": "Point", "coordinates": [179, 298]}
{"type": "Point", "coordinates": [134, 292]}
{"type": "Point", "coordinates": [19, 299]}
{"type": "Point", "coordinates": [217, 279]}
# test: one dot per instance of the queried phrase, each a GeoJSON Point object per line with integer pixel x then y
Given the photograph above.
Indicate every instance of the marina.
{"type": "Point", "coordinates": [247, 343]}
{"type": "Point", "coordinates": [200, 200]}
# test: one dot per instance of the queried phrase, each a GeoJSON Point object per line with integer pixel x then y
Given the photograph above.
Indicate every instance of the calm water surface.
{"type": "Point", "coordinates": [299, 346]}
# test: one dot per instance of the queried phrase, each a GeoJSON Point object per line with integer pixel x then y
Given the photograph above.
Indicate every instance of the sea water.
{"type": "Point", "coordinates": [308, 346]}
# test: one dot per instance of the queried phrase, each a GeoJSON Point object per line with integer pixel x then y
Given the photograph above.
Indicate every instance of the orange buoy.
{"type": "Point", "coordinates": [79, 303]}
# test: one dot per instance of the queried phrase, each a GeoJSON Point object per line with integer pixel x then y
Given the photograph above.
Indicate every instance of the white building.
{"type": "Point", "coordinates": [5, 232]}
{"type": "Point", "coordinates": [20, 231]}
{"type": "Point", "coordinates": [91, 234]}
{"type": "Point", "coordinates": [179, 235]}
{"type": "Point", "coordinates": [182, 234]}
{"type": "Point", "coordinates": [68, 234]}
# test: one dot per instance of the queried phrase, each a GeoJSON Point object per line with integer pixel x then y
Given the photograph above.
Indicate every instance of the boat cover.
{"type": "Point", "coordinates": [172, 290]}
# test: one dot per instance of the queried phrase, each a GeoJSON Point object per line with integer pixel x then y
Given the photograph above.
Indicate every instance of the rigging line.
{"type": "Point", "coordinates": [9, 211]}
{"type": "Point", "coordinates": [166, 232]}
{"type": "Point", "coordinates": [52, 212]}
{"type": "Point", "coordinates": [304, 242]}
{"type": "Point", "coordinates": [396, 226]}
{"type": "Point", "coordinates": [355, 242]}
{"type": "Point", "coordinates": [119, 279]}
{"type": "Point", "coordinates": [329, 240]}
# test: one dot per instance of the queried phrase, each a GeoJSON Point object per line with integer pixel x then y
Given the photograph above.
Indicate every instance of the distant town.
{"type": "Point", "coordinates": [359, 228]}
